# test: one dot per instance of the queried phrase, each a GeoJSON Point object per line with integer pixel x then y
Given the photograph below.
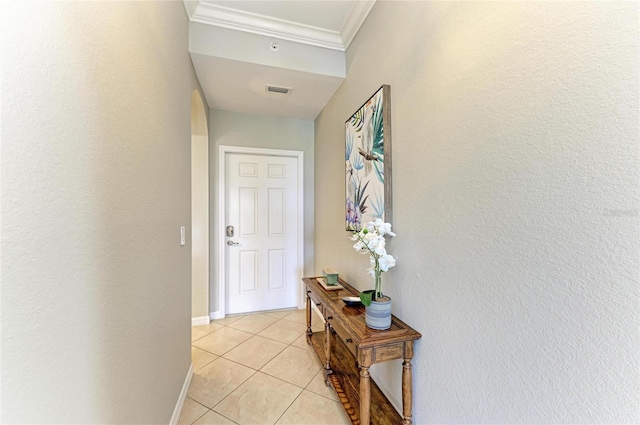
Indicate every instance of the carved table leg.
{"type": "Point", "coordinates": [327, 352]}
{"type": "Point", "coordinates": [309, 331]}
{"type": "Point", "coordinates": [406, 392]}
{"type": "Point", "coordinates": [365, 396]}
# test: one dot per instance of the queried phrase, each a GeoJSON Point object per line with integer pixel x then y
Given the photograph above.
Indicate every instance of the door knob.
{"type": "Point", "coordinates": [231, 243]}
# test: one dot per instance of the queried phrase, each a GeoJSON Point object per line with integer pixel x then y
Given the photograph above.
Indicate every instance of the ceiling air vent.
{"type": "Point", "coordinates": [277, 89]}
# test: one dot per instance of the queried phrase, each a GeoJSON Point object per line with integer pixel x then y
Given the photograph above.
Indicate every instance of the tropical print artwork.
{"type": "Point", "coordinates": [365, 164]}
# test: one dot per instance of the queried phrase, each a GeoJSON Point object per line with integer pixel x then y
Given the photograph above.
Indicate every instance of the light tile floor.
{"type": "Point", "coordinates": [257, 369]}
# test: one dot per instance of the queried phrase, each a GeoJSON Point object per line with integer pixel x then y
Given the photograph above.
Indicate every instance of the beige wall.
{"type": "Point", "coordinates": [515, 169]}
{"type": "Point", "coordinates": [258, 131]}
{"type": "Point", "coordinates": [95, 186]}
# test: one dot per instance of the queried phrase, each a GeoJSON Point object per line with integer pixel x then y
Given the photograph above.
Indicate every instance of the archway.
{"type": "Point", "coordinates": [199, 212]}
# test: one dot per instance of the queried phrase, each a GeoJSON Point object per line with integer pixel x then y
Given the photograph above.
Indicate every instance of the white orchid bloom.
{"type": "Point", "coordinates": [367, 234]}
{"type": "Point", "coordinates": [371, 240]}
{"type": "Point", "coordinates": [378, 245]}
{"type": "Point", "coordinates": [386, 262]}
{"type": "Point", "coordinates": [384, 228]}
{"type": "Point", "coordinates": [370, 226]}
{"type": "Point", "coordinates": [358, 246]}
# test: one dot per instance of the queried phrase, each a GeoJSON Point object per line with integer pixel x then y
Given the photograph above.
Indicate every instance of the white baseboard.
{"type": "Point", "coordinates": [183, 394]}
{"type": "Point", "coordinates": [216, 315]}
{"type": "Point", "coordinates": [199, 321]}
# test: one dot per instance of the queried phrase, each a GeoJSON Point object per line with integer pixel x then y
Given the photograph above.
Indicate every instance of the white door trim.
{"type": "Point", "coordinates": [222, 208]}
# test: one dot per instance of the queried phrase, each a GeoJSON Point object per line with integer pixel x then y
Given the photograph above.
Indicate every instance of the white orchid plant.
{"type": "Point", "coordinates": [371, 240]}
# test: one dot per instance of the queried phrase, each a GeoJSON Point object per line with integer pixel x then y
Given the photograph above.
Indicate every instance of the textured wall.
{"type": "Point", "coordinates": [95, 186]}
{"type": "Point", "coordinates": [516, 171]}
{"type": "Point", "coordinates": [259, 131]}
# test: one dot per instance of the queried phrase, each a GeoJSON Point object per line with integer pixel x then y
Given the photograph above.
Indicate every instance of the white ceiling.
{"type": "Point", "coordinates": [232, 48]}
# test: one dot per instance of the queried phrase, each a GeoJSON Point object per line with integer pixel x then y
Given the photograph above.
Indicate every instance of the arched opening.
{"type": "Point", "coordinates": [199, 212]}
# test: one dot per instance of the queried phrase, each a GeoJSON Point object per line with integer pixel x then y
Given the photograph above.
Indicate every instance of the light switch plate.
{"type": "Point", "coordinates": [182, 236]}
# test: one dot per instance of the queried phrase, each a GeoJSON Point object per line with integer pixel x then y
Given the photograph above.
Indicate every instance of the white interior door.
{"type": "Point", "coordinates": [262, 214]}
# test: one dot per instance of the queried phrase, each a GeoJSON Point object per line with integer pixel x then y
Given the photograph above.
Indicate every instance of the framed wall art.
{"type": "Point", "coordinates": [368, 161]}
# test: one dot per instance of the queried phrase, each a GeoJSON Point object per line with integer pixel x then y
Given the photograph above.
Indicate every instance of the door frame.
{"type": "Point", "coordinates": [222, 208]}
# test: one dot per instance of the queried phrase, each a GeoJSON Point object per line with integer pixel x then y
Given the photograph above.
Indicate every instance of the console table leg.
{"type": "Point", "coordinates": [309, 331]}
{"type": "Point", "coordinates": [365, 396]}
{"type": "Point", "coordinates": [327, 352]}
{"type": "Point", "coordinates": [406, 392]}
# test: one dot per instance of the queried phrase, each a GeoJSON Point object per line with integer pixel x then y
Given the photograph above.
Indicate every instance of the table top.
{"type": "Point", "coordinates": [354, 317]}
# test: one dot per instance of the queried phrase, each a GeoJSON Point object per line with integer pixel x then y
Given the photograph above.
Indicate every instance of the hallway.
{"type": "Point", "coordinates": [258, 369]}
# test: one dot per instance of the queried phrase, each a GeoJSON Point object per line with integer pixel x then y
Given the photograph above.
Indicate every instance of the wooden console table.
{"type": "Point", "coordinates": [346, 337]}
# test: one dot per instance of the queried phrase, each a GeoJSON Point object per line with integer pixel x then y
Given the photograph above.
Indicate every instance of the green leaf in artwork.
{"type": "Point", "coordinates": [357, 120]}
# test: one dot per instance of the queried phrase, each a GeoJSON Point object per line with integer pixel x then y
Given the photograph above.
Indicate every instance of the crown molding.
{"type": "Point", "coordinates": [190, 7]}
{"type": "Point", "coordinates": [354, 21]}
{"type": "Point", "coordinates": [207, 13]}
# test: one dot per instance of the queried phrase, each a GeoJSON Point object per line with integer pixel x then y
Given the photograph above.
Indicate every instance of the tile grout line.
{"type": "Point", "coordinates": [288, 407]}
{"type": "Point", "coordinates": [199, 417]}
{"type": "Point", "coordinates": [320, 371]}
{"type": "Point", "coordinates": [280, 379]}
{"type": "Point", "coordinates": [287, 345]}
{"type": "Point", "coordinates": [254, 370]}
{"type": "Point", "coordinates": [223, 415]}
{"type": "Point", "coordinates": [221, 357]}
{"type": "Point", "coordinates": [224, 398]}
{"type": "Point", "coordinates": [302, 390]}
{"type": "Point", "coordinates": [321, 395]}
